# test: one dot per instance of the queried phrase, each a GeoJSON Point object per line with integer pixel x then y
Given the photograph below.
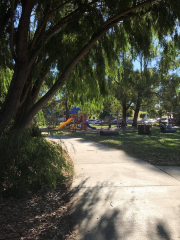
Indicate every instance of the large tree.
{"type": "Point", "coordinates": [49, 34]}
{"type": "Point", "coordinates": [145, 83]}
{"type": "Point", "coordinates": [123, 85]}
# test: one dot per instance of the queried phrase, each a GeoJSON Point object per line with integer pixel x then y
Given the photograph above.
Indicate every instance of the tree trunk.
{"type": "Point", "coordinates": [67, 109]}
{"type": "Point", "coordinates": [13, 99]}
{"type": "Point", "coordinates": [67, 112]}
{"type": "Point", "coordinates": [124, 109]}
{"type": "Point", "coordinates": [22, 111]}
{"type": "Point", "coordinates": [21, 69]}
{"type": "Point", "coordinates": [138, 104]}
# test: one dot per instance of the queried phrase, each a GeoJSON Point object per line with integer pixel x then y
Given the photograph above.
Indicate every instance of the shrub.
{"type": "Point", "coordinates": [29, 162]}
{"type": "Point", "coordinates": [155, 124]}
{"type": "Point", "coordinates": [35, 131]}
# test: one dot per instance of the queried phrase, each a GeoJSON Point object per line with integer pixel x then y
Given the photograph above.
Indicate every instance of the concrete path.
{"type": "Point", "coordinates": [117, 197]}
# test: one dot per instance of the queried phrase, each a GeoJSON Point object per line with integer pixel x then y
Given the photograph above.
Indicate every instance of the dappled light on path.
{"type": "Point", "coordinates": [97, 213]}
{"type": "Point", "coordinates": [118, 197]}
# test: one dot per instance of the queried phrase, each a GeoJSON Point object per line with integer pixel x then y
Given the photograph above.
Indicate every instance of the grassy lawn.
{"type": "Point", "coordinates": [96, 126]}
{"type": "Point", "coordinates": [157, 148]}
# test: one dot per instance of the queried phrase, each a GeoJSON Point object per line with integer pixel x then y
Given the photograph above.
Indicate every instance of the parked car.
{"type": "Point", "coordinates": [115, 122]}
{"type": "Point", "coordinates": [129, 121]}
{"type": "Point", "coordinates": [91, 121]}
{"type": "Point", "coordinates": [99, 122]}
{"type": "Point", "coordinates": [61, 119]}
{"type": "Point", "coordinates": [157, 120]}
{"type": "Point", "coordinates": [163, 121]}
{"type": "Point", "coordinates": [150, 121]}
{"type": "Point", "coordinates": [153, 120]}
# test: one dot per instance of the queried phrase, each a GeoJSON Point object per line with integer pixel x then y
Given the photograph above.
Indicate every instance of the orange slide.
{"type": "Point", "coordinates": [64, 124]}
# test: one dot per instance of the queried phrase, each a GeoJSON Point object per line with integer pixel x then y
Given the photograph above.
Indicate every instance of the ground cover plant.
{"type": "Point", "coordinates": [28, 161]}
{"type": "Point", "coordinates": [157, 148]}
{"type": "Point", "coordinates": [35, 183]}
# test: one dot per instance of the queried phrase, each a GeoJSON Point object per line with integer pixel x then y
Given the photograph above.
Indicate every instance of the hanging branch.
{"type": "Point", "coordinates": [129, 105]}
{"type": "Point", "coordinates": [38, 30]}
{"type": "Point", "coordinates": [95, 37]}
{"type": "Point", "coordinates": [124, 13]}
{"type": "Point", "coordinates": [69, 1]}
{"type": "Point", "coordinates": [45, 36]}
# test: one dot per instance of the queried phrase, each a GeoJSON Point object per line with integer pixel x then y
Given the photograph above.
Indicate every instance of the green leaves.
{"type": "Point", "coordinates": [29, 162]}
{"type": "Point", "coordinates": [5, 79]}
{"type": "Point", "coordinates": [81, 41]}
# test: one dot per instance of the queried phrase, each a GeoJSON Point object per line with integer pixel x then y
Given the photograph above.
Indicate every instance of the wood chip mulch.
{"type": "Point", "coordinates": [41, 215]}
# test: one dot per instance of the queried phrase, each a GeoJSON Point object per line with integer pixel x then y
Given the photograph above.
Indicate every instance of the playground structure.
{"type": "Point", "coordinates": [64, 124]}
{"type": "Point", "coordinates": [78, 117]}
{"type": "Point", "coordinates": [90, 125]}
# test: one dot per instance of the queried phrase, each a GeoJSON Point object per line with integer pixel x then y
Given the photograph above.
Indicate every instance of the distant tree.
{"type": "Point", "coordinates": [121, 86]}
{"type": "Point", "coordinates": [146, 85]}
{"type": "Point", "coordinates": [169, 92]}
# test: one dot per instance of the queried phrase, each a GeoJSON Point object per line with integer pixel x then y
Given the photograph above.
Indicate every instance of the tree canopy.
{"type": "Point", "coordinates": [58, 40]}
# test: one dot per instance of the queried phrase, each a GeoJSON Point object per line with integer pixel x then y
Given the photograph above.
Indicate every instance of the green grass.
{"type": "Point", "coordinates": [96, 125]}
{"type": "Point", "coordinates": [157, 148]}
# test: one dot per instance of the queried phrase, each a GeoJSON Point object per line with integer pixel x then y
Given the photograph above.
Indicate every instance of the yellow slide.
{"type": "Point", "coordinates": [64, 124]}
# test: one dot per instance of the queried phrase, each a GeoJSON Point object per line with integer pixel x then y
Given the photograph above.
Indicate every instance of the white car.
{"type": "Point", "coordinates": [99, 122]}
{"type": "Point", "coordinates": [163, 121]}
{"type": "Point", "coordinates": [91, 121]}
{"type": "Point", "coordinates": [150, 121]}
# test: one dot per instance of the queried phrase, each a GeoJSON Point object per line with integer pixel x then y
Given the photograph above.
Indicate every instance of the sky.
{"type": "Point", "coordinates": [136, 64]}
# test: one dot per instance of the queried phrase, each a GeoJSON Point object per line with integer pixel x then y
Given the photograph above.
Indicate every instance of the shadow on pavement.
{"type": "Point", "coordinates": [80, 140]}
{"type": "Point", "coordinates": [107, 212]}
{"type": "Point", "coordinates": [95, 217]}
{"type": "Point", "coordinates": [89, 217]}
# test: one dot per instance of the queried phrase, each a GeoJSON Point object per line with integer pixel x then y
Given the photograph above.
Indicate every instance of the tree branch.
{"type": "Point", "coordinates": [25, 90]}
{"type": "Point", "coordinates": [12, 31]}
{"type": "Point", "coordinates": [128, 105]}
{"type": "Point", "coordinates": [95, 37]}
{"type": "Point", "coordinates": [22, 51]}
{"type": "Point", "coordinates": [60, 24]}
{"type": "Point", "coordinates": [38, 30]}
{"type": "Point", "coordinates": [130, 10]}
{"type": "Point", "coordinates": [69, 1]}
{"type": "Point", "coordinates": [49, 13]}
{"type": "Point", "coordinates": [50, 32]}
{"type": "Point", "coordinates": [38, 83]}
{"type": "Point", "coordinates": [117, 82]}
{"type": "Point", "coordinates": [133, 108]}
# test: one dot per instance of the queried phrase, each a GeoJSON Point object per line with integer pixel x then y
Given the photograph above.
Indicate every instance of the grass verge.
{"type": "Point", "coordinates": [157, 148]}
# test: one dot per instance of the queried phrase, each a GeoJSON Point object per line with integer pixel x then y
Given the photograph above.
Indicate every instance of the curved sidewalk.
{"type": "Point", "coordinates": [118, 197]}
